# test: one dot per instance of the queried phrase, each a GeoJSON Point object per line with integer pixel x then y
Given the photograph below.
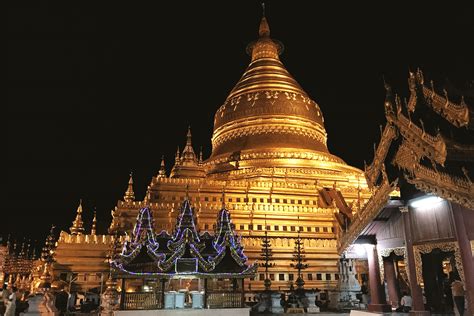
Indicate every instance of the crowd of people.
{"type": "Point", "coordinates": [14, 302]}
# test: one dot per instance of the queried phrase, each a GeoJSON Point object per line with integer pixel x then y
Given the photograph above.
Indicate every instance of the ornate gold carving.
{"type": "Point", "coordinates": [444, 246]}
{"type": "Point", "coordinates": [288, 242]}
{"type": "Point", "coordinates": [433, 147]}
{"type": "Point", "coordinates": [373, 206]}
{"type": "Point", "coordinates": [399, 251]}
{"type": "Point", "coordinates": [372, 171]}
{"type": "Point", "coordinates": [456, 114]}
{"type": "Point", "coordinates": [296, 128]}
{"type": "Point", "coordinates": [452, 188]}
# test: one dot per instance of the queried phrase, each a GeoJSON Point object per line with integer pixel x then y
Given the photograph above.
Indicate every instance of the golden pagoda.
{"type": "Point", "coordinates": [270, 167]}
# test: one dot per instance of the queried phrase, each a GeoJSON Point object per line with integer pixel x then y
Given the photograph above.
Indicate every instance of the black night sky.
{"type": "Point", "coordinates": [97, 89]}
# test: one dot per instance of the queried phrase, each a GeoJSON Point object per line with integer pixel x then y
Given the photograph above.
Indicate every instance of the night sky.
{"type": "Point", "coordinates": [97, 89]}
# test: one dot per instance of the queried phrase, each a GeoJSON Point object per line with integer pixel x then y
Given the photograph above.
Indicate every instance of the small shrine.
{"type": "Point", "coordinates": [184, 269]}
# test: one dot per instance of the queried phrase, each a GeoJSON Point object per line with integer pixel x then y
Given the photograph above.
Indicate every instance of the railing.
{"type": "Point", "coordinates": [224, 300]}
{"type": "Point", "coordinates": [145, 300]}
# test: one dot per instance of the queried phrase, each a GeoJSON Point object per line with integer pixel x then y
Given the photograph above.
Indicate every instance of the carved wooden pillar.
{"type": "Point", "coordinates": [466, 255]}
{"type": "Point", "coordinates": [418, 308]}
{"type": "Point", "coordinates": [392, 282]}
{"type": "Point", "coordinates": [377, 295]}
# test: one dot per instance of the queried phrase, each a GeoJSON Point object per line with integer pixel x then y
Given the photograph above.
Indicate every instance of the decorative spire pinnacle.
{"type": "Point", "coordinates": [176, 157]}
{"type": "Point", "coordinates": [187, 164]}
{"type": "Point", "coordinates": [77, 227]}
{"type": "Point", "coordinates": [200, 156]}
{"type": "Point", "coordinates": [94, 223]}
{"type": "Point", "coordinates": [264, 29]}
{"type": "Point", "coordinates": [264, 47]}
{"type": "Point", "coordinates": [188, 155]}
{"type": "Point", "coordinates": [189, 136]}
{"type": "Point", "coordinates": [162, 172]}
{"type": "Point", "coordinates": [129, 194]}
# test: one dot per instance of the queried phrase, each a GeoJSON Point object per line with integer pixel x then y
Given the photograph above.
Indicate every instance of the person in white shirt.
{"type": "Point", "coordinates": [406, 302]}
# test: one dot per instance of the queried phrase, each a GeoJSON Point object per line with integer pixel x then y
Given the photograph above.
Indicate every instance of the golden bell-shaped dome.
{"type": "Point", "coordinates": [267, 117]}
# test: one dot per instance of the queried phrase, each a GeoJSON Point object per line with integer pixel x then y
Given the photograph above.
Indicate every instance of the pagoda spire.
{"type": "Point", "coordinates": [189, 136]}
{"type": "Point", "coordinates": [264, 47]}
{"type": "Point", "coordinates": [188, 155]}
{"type": "Point", "coordinates": [264, 29]}
{"type": "Point", "coordinates": [94, 223]}
{"type": "Point", "coordinates": [187, 164]}
{"type": "Point", "coordinates": [129, 194]}
{"type": "Point", "coordinates": [177, 157]}
{"type": "Point", "coordinates": [77, 227]}
{"type": "Point", "coordinates": [162, 172]}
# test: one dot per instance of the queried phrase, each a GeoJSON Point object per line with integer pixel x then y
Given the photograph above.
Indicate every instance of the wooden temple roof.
{"type": "Point", "coordinates": [427, 145]}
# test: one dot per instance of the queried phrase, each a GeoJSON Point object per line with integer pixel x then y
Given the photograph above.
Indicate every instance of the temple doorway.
{"type": "Point", "coordinates": [438, 270]}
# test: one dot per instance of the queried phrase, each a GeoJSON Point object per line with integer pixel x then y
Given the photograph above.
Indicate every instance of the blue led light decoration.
{"type": "Point", "coordinates": [143, 235]}
{"type": "Point", "coordinates": [226, 240]}
{"type": "Point", "coordinates": [215, 256]}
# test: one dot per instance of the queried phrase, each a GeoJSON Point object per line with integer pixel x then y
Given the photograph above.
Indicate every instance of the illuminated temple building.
{"type": "Point", "coordinates": [270, 164]}
{"type": "Point", "coordinates": [422, 241]}
{"type": "Point", "coordinates": [270, 168]}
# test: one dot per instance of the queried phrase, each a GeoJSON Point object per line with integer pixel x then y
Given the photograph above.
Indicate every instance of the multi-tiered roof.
{"type": "Point", "coordinates": [427, 145]}
{"type": "Point", "coordinates": [185, 251]}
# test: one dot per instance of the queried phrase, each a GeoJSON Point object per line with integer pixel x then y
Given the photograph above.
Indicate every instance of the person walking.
{"type": "Point", "coordinates": [11, 303]}
{"type": "Point", "coordinates": [458, 295]}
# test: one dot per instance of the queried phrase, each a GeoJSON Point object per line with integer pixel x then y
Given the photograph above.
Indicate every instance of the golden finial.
{"type": "Point", "coordinates": [189, 136]}
{"type": "Point", "coordinates": [176, 158]}
{"type": "Point", "coordinates": [77, 227]}
{"type": "Point", "coordinates": [264, 29]}
{"type": "Point", "coordinates": [162, 172]}
{"type": "Point", "coordinates": [129, 194]}
{"type": "Point", "coordinates": [94, 223]}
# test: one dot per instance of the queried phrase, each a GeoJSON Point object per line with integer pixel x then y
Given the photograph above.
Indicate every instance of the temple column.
{"type": "Point", "coordinates": [377, 295]}
{"type": "Point", "coordinates": [466, 255]}
{"type": "Point", "coordinates": [418, 308]}
{"type": "Point", "coordinates": [391, 278]}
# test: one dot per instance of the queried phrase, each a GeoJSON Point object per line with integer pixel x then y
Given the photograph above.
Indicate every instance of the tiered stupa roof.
{"type": "Point", "coordinates": [268, 119]}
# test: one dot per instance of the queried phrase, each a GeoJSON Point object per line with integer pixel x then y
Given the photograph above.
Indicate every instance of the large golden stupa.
{"type": "Point", "coordinates": [268, 120]}
{"type": "Point", "coordinates": [271, 168]}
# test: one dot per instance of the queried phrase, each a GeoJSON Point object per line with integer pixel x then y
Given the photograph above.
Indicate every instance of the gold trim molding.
{"type": "Point", "coordinates": [386, 252]}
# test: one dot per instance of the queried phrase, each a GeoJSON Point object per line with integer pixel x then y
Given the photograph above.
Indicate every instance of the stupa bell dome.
{"type": "Point", "coordinates": [268, 116]}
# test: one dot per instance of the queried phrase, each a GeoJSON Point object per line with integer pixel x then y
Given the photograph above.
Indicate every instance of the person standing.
{"type": "Point", "coordinates": [11, 303]}
{"type": "Point", "coordinates": [5, 294]}
{"type": "Point", "coordinates": [458, 295]}
{"type": "Point", "coordinates": [406, 302]}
